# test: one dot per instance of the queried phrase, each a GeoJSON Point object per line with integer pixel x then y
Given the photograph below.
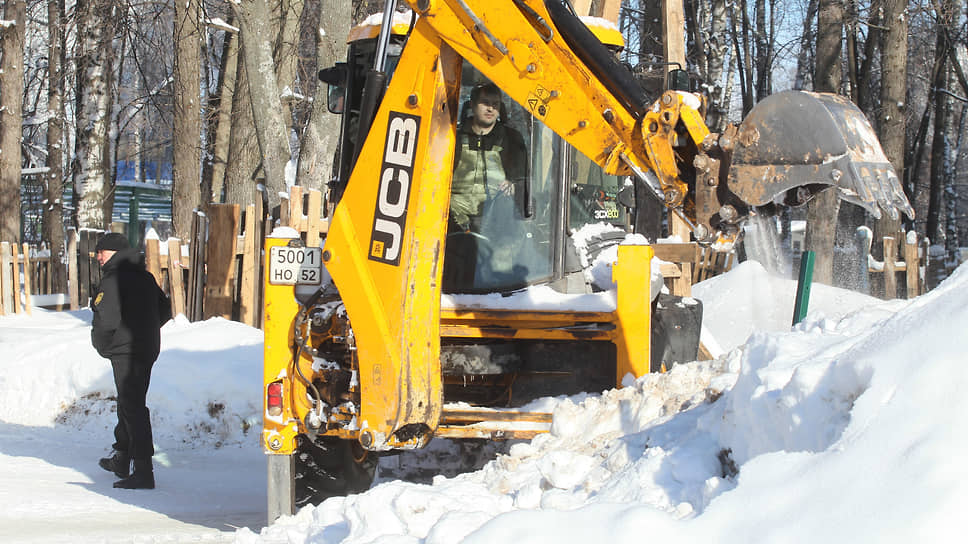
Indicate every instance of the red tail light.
{"type": "Point", "coordinates": [274, 399]}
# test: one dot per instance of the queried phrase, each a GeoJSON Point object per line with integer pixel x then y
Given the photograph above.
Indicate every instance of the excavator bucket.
{"type": "Point", "coordinates": [795, 144]}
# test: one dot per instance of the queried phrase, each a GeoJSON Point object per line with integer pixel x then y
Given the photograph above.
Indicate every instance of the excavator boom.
{"type": "Point", "coordinates": [791, 145]}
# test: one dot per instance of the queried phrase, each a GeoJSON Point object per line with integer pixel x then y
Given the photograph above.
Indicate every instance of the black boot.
{"type": "Point", "coordinates": [119, 463]}
{"type": "Point", "coordinates": [142, 478]}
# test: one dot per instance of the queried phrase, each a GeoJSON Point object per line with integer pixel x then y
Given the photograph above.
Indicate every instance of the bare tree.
{"type": "Point", "coordinates": [890, 121]}
{"type": "Point", "coordinates": [258, 36]}
{"type": "Point", "coordinates": [764, 50]}
{"type": "Point", "coordinates": [805, 60]}
{"type": "Point", "coordinates": [12, 33]}
{"type": "Point", "coordinates": [822, 211]}
{"type": "Point", "coordinates": [219, 117]}
{"type": "Point", "coordinates": [186, 136]}
{"type": "Point", "coordinates": [948, 15]}
{"type": "Point", "coordinates": [242, 168]}
{"type": "Point", "coordinates": [744, 53]}
{"type": "Point", "coordinates": [96, 21]}
{"type": "Point", "coordinates": [54, 195]}
{"type": "Point", "coordinates": [865, 94]}
{"type": "Point", "coordinates": [716, 52]}
{"type": "Point", "coordinates": [321, 133]}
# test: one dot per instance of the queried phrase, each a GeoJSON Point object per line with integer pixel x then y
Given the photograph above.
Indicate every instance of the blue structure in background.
{"type": "Point", "coordinates": [152, 199]}
{"type": "Point", "coordinates": [141, 204]}
{"type": "Point", "coordinates": [153, 172]}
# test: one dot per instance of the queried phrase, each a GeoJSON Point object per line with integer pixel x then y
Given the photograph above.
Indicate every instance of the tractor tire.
{"type": "Point", "coordinates": [331, 467]}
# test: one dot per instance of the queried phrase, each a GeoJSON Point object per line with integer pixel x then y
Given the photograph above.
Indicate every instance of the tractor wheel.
{"type": "Point", "coordinates": [331, 467]}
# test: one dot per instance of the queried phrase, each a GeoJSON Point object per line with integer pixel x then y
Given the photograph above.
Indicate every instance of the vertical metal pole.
{"type": "Point", "coordinates": [134, 232]}
{"type": "Point", "coordinates": [280, 488]}
{"type": "Point", "coordinates": [379, 63]}
{"type": "Point", "coordinates": [803, 287]}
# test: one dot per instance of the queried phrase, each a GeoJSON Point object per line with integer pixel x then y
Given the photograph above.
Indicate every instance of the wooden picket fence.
{"type": "Point", "coordinates": [12, 256]}
{"type": "Point", "coordinates": [216, 272]}
{"type": "Point", "coordinates": [689, 263]}
{"type": "Point", "coordinates": [910, 258]}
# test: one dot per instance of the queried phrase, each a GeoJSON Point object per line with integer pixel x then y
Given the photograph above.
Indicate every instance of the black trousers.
{"type": "Point", "coordinates": [132, 434]}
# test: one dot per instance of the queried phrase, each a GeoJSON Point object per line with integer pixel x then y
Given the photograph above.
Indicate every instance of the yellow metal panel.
{"type": "Point", "coordinates": [279, 433]}
{"type": "Point", "coordinates": [383, 248]}
{"type": "Point", "coordinates": [632, 274]}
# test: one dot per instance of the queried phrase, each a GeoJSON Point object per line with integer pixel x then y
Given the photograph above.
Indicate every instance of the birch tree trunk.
{"type": "Point", "coordinates": [12, 34]}
{"type": "Point", "coordinates": [718, 48]}
{"type": "Point", "coordinates": [872, 46]}
{"type": "Point", "coordinates": [95, 99]}
{"type": "Point", "coordinates": [186, 136]}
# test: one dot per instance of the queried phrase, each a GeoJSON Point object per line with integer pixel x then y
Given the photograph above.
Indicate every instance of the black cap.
{"type": "Point", "coordinates": [112, 241]}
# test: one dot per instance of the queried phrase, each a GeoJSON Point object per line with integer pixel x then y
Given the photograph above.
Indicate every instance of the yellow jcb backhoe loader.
{"type": "Point", "coordinates": [380, 340]}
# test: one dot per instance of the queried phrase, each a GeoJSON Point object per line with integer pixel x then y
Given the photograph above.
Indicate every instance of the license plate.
{"type": "Point", "coordinates": [295, 265]}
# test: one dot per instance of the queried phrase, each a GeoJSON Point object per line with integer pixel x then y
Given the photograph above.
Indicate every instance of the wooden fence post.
{"type": "Point", "coordinates": [220, 259]}
{"type": "Point", "coordinates": [73, 288]}
{"type": "Point", "coordinates": [296, 208]}
{"type": "Point", "coordinates": [314, 218]}
{"type": "Point", "coordinates": [248, 295]}
{"type": "Point", "coordinates": [890, 260]}
{"type": "Point", "coordinates": [196, 263]}
{"type": "Point", "coordinates": [153, 260]}
{"type": "Point", "coordinates": [6, 280]}
{"type": "Point", "coordinates": [176, 282]}
{"type": "Point", "coordinates": [15, 259]}
{"type": "Point", "coordinates": [27, 273]}
{"type": "Point", "coordinates": [683, 256]}
{"type": "Point", "coordinates": [911, 267]}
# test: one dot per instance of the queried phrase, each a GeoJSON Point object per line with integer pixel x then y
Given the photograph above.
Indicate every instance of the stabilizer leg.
{"type": "Point", "coordinates": [281, 488]}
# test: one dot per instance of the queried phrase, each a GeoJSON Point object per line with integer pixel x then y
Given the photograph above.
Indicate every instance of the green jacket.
{"type": "Point", "coordinates": [481, 164]}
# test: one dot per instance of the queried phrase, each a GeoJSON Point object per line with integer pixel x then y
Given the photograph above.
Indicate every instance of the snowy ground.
{"type": "Point", "coordinates": [844, 428]}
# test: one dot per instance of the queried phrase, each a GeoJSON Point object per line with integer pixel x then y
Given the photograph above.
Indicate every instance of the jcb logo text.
{"type": "Point", "coordinates": [390, 217]}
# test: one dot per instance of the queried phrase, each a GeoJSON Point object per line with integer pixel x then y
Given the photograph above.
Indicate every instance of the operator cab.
{"type": "Point", "coordinates": [520, 237]}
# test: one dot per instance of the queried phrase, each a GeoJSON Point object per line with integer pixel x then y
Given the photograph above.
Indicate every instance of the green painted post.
{"type": "Point", "coordinates": [134, 232]}
{"type": "Point", "coordinates": [803, 287]}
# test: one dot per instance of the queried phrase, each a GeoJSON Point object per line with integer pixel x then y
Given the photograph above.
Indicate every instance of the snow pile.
{"type": "Point", "coordinates": [749, 299]}
{"type": "Point", "coordinates": [842, 428]}
{"type": "Point", "coordinates": [204, 387]}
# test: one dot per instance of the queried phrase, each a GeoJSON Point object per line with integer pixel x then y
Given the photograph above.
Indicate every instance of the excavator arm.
{"type": "Point", "coordinates": [790, 147]}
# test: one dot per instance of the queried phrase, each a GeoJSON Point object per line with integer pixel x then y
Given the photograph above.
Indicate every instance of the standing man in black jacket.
{"type": "Point", "coordinates": [129, 310]}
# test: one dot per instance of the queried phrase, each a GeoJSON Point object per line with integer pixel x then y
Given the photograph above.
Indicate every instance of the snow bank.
{"type": "Point", "coordinates": [841, 429]}
{"type": "Point", "coordinates": [204, 386]}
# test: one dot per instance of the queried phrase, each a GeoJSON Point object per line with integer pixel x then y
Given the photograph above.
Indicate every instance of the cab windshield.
{"type": "Point", "coordinates": [502, 203]}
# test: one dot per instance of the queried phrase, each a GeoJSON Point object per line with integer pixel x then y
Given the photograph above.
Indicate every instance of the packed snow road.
{"type": "Point", "coordinates": [54, 491]}
{"type": "Point", "coordinates": [56, 420]}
